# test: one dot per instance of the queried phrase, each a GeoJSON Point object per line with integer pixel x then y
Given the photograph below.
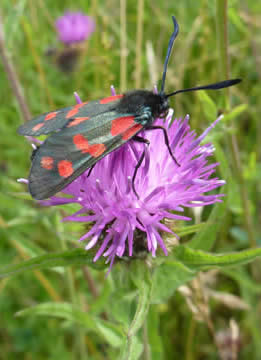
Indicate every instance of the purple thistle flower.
{"type": "Point", "coordinates": [107, 200]}
{"type": "Point", "coordinates": [74, 27]}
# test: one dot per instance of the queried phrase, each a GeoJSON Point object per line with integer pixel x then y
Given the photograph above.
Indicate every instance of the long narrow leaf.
{"type": "Point", "coordinates": [76, 257]}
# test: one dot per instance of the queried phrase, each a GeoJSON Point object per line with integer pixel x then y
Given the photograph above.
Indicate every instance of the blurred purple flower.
{"type": "Point", "coordinates": [119, 218]}
{"type": "Point", "coordinates": [74, 27]}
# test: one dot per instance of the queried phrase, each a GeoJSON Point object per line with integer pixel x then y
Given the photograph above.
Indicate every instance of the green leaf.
{"type": "Point", "coordinates": [65, 311]}
{"type": "Point", "coordinates": [206, 237]}
{"type": "Point", "coordinates": [238, 110]}
{"type": "Point", "coordinates": [121, 305]}
{"type": "Point", "coordinates": [184, 263]}
{"type": "Point", "coordinates": [208, 106]}
{"type": "Point", "coordinates": [76, 257]}
{"type": "Point", "coordinates": [123, 297]}
{"type": "Point", "coordinates": [28, 247]}
{"type": "Point", "coordinates": [101, 301]}
{"type": "Point", "coordinates": [197, 259]}
{"type": "Point", "coordinates": [189, 229]}
{"type": "Point", "coordinates": [224, 166]}
{"type": "Point", "coordinates": [21, 195]}
{"type": "Point", "coordinates": [238, 21]}
{"type": "Point", "coordinates": [167, 278]}
{"type": "Point", "coordinates": [243, 279]}
{"type": "Point", "coordinates": [112, 333]}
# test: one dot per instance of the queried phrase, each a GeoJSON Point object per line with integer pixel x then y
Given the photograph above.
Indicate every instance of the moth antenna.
{"type": "Point", "coordinates": [215, 86]}
{"type": "Point", "coordinates": [170, 46]}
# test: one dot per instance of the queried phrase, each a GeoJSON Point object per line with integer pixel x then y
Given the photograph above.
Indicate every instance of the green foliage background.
{"type": "Point", "coordinates": [27, 230]}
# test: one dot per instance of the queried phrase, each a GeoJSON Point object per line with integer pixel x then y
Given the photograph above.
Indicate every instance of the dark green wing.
{"type": "Point", "coordinates": [55, 120]}
{"type": "Point", "coordinates": [76, 147]}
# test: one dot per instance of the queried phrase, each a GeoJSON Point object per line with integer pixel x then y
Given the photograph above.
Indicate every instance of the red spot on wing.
{"type": "Point", "coordinates": [121, 124]}
{"type": "Point", "coordinates": [131, 132]}
{"type": "Point", "coordinates": [51, 115]}
{"type": "Point", "coordinates": [96, 150]}
{"type": "Point", "coordinates": [47, 162]}
{"type": "Point", "coordinates": [110, 99]}
{"type": "Point", "coordinates": [77, 121]}
{"type": "Point", "coordinates": [75, 110]}
{"type": "Point", "coordinates": [65, 168]}
{"type": "Point", "coordinates": [37, 127]}
{"type": "Point", "coordinates": [72, 112]}
{"type": "Point", "coordinates": [78, 106]}
{"type": "Point", "coordinates": [82, 144]}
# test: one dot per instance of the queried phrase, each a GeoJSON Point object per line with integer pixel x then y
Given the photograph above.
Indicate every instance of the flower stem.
{"type": "Point", "coordinates": [144, 285]}
{"type": "Point", "coordinates": [189, 355]}
{"type": "Point", "coordinates": [222, 38]}
{"type": "Point", "coordinates": [146, 345]}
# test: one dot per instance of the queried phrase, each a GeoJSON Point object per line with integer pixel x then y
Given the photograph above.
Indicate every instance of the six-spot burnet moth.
{"type": "Point", "coordinates": [85, 133]}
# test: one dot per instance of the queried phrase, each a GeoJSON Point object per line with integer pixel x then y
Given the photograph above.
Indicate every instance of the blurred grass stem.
{"type": "Point", "coordinates": [190, 352]}
{"type": "Point", "coordinates": [124, 50]}
{"type": "Point", "coordinates": [222, 38]}
{"type": "Point", "coordinates": [12, 76]}
{"type": "Point", "coordinates": [139, 41]}
{"type": "Point", "coordinates": [37, 60]}
{"type": "Point", "coordinates": [80, 347]}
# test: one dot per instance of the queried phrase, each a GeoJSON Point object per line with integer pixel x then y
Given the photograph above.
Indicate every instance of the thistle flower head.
{"type": "Point", "coordinates": [118, 217]}
{"type": "Point", "coordinates": [74, 27]}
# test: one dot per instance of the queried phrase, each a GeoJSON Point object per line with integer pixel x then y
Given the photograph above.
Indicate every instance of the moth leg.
{"type": "Point", "coordinates": [35, 149]}
{"type": "Point", "coordinates": [144, 141]}
{"type": "Point", "coordinates": [91, 168]}
{"type": "Point", "coordinates": [166, 138]}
